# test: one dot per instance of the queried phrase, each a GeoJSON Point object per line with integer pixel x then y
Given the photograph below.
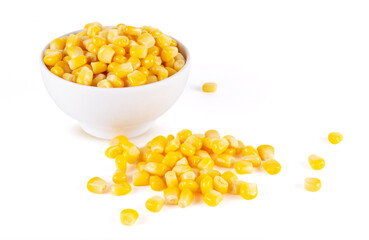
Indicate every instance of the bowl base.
{"type": "Point", "coordinates": [111, 132]}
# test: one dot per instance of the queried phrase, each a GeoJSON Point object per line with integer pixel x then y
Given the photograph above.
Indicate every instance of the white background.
{"type": "Point", "coordinates": [289, 72]}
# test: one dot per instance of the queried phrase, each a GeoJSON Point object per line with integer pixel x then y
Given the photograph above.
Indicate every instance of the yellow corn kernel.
{"type": "Point", "coordinates": [58, 43]}
{"type": "Point", "coordinates": [53, 51]}
{"type": "Point", "coordinates": [131, 154]}
{"type": "Point", "coordinates": [206, 163]}
{"type": "Point", "coordinates": [243, 167]}
{"type": "Point", "coordinates": [220, 184]}
{"type": "Point", "coordinates": [113, 151]}
{"type": "Point", "coordinates": [98, 41]}
{"type": "Point", "coordinates": [88, 25]}
{"type": "Point", "coordinates": [85, 76]}
{"type": "Point", "coordinates": [136, 78]}
{"type": "Point", "coordinates": [119, 58]}
{"type": "Point", "coordinates": [208, 87]}
{"type": "Point", "coordinates": [77, 71]}
{"type": "Point", "coordinates": [271, 166]}
{"type": "Point", "coordinates": [164, 41]}
{"type": "Point", "coordinates": [213, 198]}
{"type": "Point", "coordinates": [154, 157]}
{"type": "Point", "coordinates": [121, 28]}
{"type": "Point", "coordinates": [190, 175]}
{"type": "Point", "coordinates": [233, 142]}
{"type": "Point", "coordinates": [123, 69]}
{"type": "Point", "coordinates": [156, 168]}
{"type": "Point", "coordinates": [202, 154]}
{"type": "Point", "coordinates": [119, 176]}
{"type": "Point", "coordinates": [170, 64]}
{"type": "Point", "coordinates": [140, 166]}
{"type": "Point", "coordinates": [316, 162]}
{"type": "Point", "coordinates": [120, 189]}
{"type": "Point", "coordinates": [118, 140]}
{"type": "Point", "coordinates": [235, 187]}
{"type": "Point", "coordinates": [249, 150]}
{"type": "Point", "coordinates": [182, 161]}
{"type": "Point", "coordinates": [171, 179]}
{"type": "Point", "coordinates": [172, 145]}
{"type": "Point", "coordinates": [189, 184]}
{"type": "Point", "coordinates": [224, 160]}
{"type": "Point", "coordinates": [121, 163]}
{"type": "Point", "coordinates": [219, 146]}
{"type": "Point", "coordinates": [129, 30]}
{"type": "Point", "coordinates": [77, 62]}
{"type": "Point", "coordinates": [313, 184]}
{"type": "Point", "coordinates": [155, 32]}
{"type": "Point", "coordinates": [183, 135]}
{"type": "Point", "coordinates": [178, 64]}
{"type": "Point", "coordinates": [58, 71]}
{"type": "Point", "coordinates": [74, 51]}
{"type": "Point", "coordinates": [121, 41]}
{"type": "Point", "coordinates": [171, 195]}
{"type": "Point", "coordinates": [212, 134]}
{"type": "Point", "coordinates": [185, 198]}
{"type": "Point", "coordinates": [168, 53]}
{"type": "Point", "coordinates": [187, 149]}
{"type": "Point", "coordinates": [141, 178]}
{"type": "Point", "coordinates": [154, 51]}
{"type": "Point", "coordinates": [97, 185]}
{"type": "Point", "coordinates": [248, 191]}
{"type": "Point", "coordinates": [174, 43]}
{"type": "Point", "coordinates": [117, 49]}
{"type": "Point", "coordinates": [91, 57]}
{"type": "Point", "coordinates": [206, 184]}
{"type": "Point", "coordinates": [144, 71]}
{"type": "Point", "coordinates": [229, 177]}
{"type": "Point", "coordinates": [128, 217]}
{"type": "Point", "coordinates": [105, 54]}
{"type": "Point", "coordinates": [193, 161]}
{"type": "Point", "coordinates": [112, 34]}
{"type": "Point", "coordinates": [73, 40]}
{"type": "Point", "coordinates": [158, 144]}
{"type": "Point", "coordinates": [92, 48]}
{"type": "Point", "coordinates": [104, 84]}
{"type": "Point", "coordinates": [64, 65]}
{"type": "Point", "coordinates": [146, 39]}
{"type": "Point", "coordinates": [170, 159]}
{"type": "Point", "coordinates": [170, 137]}
{"type": "Point", "coordinates": [98, 67]}
{"type": "Point", "coordinates": [157, 183]}
{"type": "Point", "coordinates": [179, 57]}
{"type": "Point", "coordinates": [69, 77]}
{"type": "Point", "coordinates": [154, 204]}
{"type": "Point", "coordinates": [171, 71]}
{"type": "Point", "coordinates": [93, 31]}
{"type": "Point", "coordinates": [52, 58]}
{"type": "Point", "coordinates": [180, 169]}
{"type": "Point", "coordinates": [148, 61]}
{"type": "Point", "coordinates": [266, 152]}
{"type": "Point", "coordinates": [241, 146]}
{"type": "Point", "coordinates": [115, 81]}
{"type": "Point", "coordinates": [255, 160]}
{"type": "Point", "coordinates": [335, 137]}
{"type": "Point", "coordinates": [136, 63]}
{"type": "Point", "coordinates": [194, 141]}
{"type": "Point", "coordinates": [211, 172]}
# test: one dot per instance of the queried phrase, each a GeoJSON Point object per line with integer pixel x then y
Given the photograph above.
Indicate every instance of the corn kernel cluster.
{"type": "Point", "coordinates": [114, 57]}
{"type": "Point", "coordinates": [182, 166]}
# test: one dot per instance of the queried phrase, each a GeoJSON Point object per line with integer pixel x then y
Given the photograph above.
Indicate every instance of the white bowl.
{"type": "Point", "coordinates": [109, 112]}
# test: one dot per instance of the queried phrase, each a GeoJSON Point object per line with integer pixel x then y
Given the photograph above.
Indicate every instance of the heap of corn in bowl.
{"type": "Point", "coordinates": [114, 57]}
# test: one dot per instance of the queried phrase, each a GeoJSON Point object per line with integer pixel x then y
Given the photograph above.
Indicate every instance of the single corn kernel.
{"type": "Point", "coordinates": [183, 135]}
{"type": "Point", "coordinates": [209, 87]}
{"type": "Point", "coordinates": [154, 157]}
{"type": "Point", "coordinates": [170, 159]}
{"type": "Point", "coordinates": [58, 43]}
{"type": "Point", "coordinates": [73, 40]}
{"type": "Point", "coordinates": [85, 76]}
{"type": "Point", "coordinates": [193, 161]}
{"type": "Point", "coordinates": [120, 189]}
{"type": "Point", "coordinates": [119, 58]}
{"type": "Point", "coordinates": [92, 48]}
{"type": "Point", "coordinates": [171, 196]}
{"type": "Point", "coordinates": [235, 187]}
{"type": "Point", "coordinates": [335, 137]}
{"type": "Point", "coordinates": [98, 67]}
{"type": "Point", "coordinates": [91, 57]}
{"type": "Point", "coordinates": [206, 184]}
{"type": "Point", "coordinates": [185, 198]}
{"type": "Point", "coordinates": [190, 184]}
{"type": "Point", "coordinates": [271, 166]}
{"type": "Point", "coordinates": [316, 162]}
{"type": "Point", "coordinates": [146, 39]}
{"type": "Point", "coordinates": [77, 62]}
{"type": "Point", "coordinates": [154, 50]}
{"type": "Point", "coordinates": [148, 61]}
{"type": "Point", "coordinates": [97, 185]}
{"type": "Point", "coordinates": [158, 144]}
{"type": "Point", "coordinates": [178, 64]}
{"type": "Point", "coordinates": [249, 150]}
{"type": "Point", "coordinates": [118, 140]}
{"type": "Point", "coordinates": [182, 161]}
{"type": "Point", "coordinates": [187, 149]}
{"type": "Point", "coordinates": [157, 183]}
{"type": "Point", "coordinates": [121, 41]}
{"type": "Point", "coordinates": [115, 81]}
{"type": "Point", "coordinates": [123, 69]}
{"type": "Point", "coordinates": [203, 154]}
{"type": "Point", "coordinates": [206, 163]}
{"type": "Point", "coordinates": [105, 54]}
{"type": "Point", "coordinates": [172, 145]}
{"type": "Point", "coordinates": [194, 141]}
{"type": "Point", "coordinates": [171, 179]}
{"type": "Point", "coordinates": [104, 84]}
{"type": "Point", "coordinates": [99, 41]}
{"type": "Point", "coordinates": [248, 191]}
{"type": "Point", "coordinates": [229, 177]}
{"type": "Point", "coordinates": [52, 58]}
{"type": "Point", "coordinates": [128, 217]}
{"type": "Point", "coordinates": [74, 51]}
{"type": "Point", "coordinates": [212, 134]}
{"type": "Point", "coordinates": [170, 137]}
{"type": "Point", "coordinates": [220, 184]}
{"type": "Point", "coordinates": [219, 146]}
{"type": "Point", "coordinates": [266, 152]}
{"type": "Point", "coordinates": [224, 160]}
{"type": "Point", "coordinates": [190, 175]}
{"type": "Point", "coordinates": [93, 31]}
{"type": "Point", "coordinates": [118, 50]}
{"type": "Point", "coordinates": [211, 172]}
{"type": "Point", "coordinates": [58, 71]}
{"type": "Point", "coordinates": [64, 65]}
{"type": "Point", "coordinates": [156, 168]}
{"type": "Point", "coordinates": [154, 204]}
{"type": "Point", "coordinates": [119, 176]}
{"type": "Point", "coordinates": [112, 34]}
{"type": "Point", "coordinates": [233, 142]}
{"type": "Point", "coordinates": [243, 167]}
{"type": "Point", "coordinates": [141, 178]}
{"type": "Point", "coordinates": [255, 160]}
{"type": "Point", "coordinates": [88, 25]}
{"type": "Point", "coordinates": [129, 30]}
{"type": "Point", "coordinates": [136, 63]}
{"type": "Point", "coordinates": [231, 151]}
{"type": "Point", "coordinates": [138, 51]}
{"type": "Point", "coordinates": [121, 163]}
{"type": "Point", "coordinates": [144, 71]}
{"type": "Point", "coordinates": [168, 53]}
{"type": "Point", "coordinates": [241, 146]}
{"type": "Point", "coordinates": [69, 77]}
{"type": "Point", "coordinates": [98, 78]}
{"type": "Point", "coordinates": [113, 151]}
{"type": "Point", "coordinates": [171, 71]}
{"type": "Point", "coordinates": [179, 57]}
{"type": "Point", "coordinates": [136, 78]}
{"type": "Point", "coordinates": [164, 41]}
{"type": "Point", "coordinates": [213, 198]}
{"type": "Point", "coordinates": [313, 184]}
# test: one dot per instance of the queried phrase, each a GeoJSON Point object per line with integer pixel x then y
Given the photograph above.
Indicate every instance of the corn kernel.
{"type": "Point", "coordinates": [69, 77]}
{"type": "Point", "coordinates": [58, 43]}
{"type": "Point", "coordinates": [206, 163]}
{"type": "Point", "coordinates": [220, 184]}
{"type": "Point", "coordinates": [180, 169]}
{"type": "Point", "coordinates": [206, 184]}
{"type": "Point", "coordinates": [119, 58]}
{"type": "Point", "coordinates": [316, 162]}
{"type": "Point", "coordinates": [168, 53]}
{"type": "Point", "coordinates": [146, 39]}
{"type": "Point", "coordinates": [128, 217]}
{"type": "Point", "coordinates": [85, 76]}
{"type": "Point", "coordinates": [91, 57]}
{"type": "Point", "coordinates": [148, 61]}
{"type": "Point", "coordinates": [266, 152]}
{"type": "Point", "coordinates": [131, 154]}
{"type": "Point", "coordinates": [113, 151]}
{"type": "Point", "coordinates": [112, 34]}
{"type": "Point", "coordinates": [64, 65]}
{"type": "Point", "coordinates": [208, 87]}
{"type": "Point", "coordinates": [136, 78]}
{"type": "Point", "coordinates": [140, 166]}
{"type": "Point", "coordinates": [158, 144]}
{"type": "Point", "coordinates": [183, 135]}
{"type": "Point", "coordinates": [182, 161]}
{"type": "Point", "coordinates": [224, 160]}
{"type": "Point", "coordinates": [136, 63]}
{"type": "Point", "coordinates": [157, 183]}
{"type": "Point", "coordinates": [171, 71]}
{"type": "Point", "coordinates": [179, 64]}
{"type": "Point", "coordinates": [73, 40]}
{"type": "Point", "coordinates": [235, 187]}
{"type": "Point", "coordinates": [248, 191]}
{"type": "Point", "coordinates": [154, 157]}
{"type": "Point", "coordinates": [105, 54]}
{"type": "Point", "coordinates": [185, 198]}
{"type": "Point", "coordinates": [312, 184]}
{"type": "Point", "coordinates": [58, 71]}
{"type": "Point", "coordinates": [171, 179]}
{"type": "Point", "coordinates": [187, 149]}
{"type": "Point", "coordinates": [121, 163]}
{"type": "Point", "coordinates": [97, 185]}
{"type": "Point", "coordinates": [120, 189]}
{"type": "Point", "coordinates": [74, 51]}
{"type": "Point", "coordinates": [211, 172]}
{"type": "Point", "coordinates": [115, 81]}
{"type": "Point", "coordinates": [171, 196]}
{"type": "Point", "coordinates": [141, 178]}
{"type": "Point", "coordinates": [129, 30]}
{"type": "Point", "coordinates": [154, 204]}
{"type": "Point", "coordinates": [190, 175]}
{"type": "Point", "coordinates": [243, 167]}
{"type": "Point", "coordinates": [144, 71]}
{"type": "Point", "coordinates": [219, 146]}
{"type": "Point", "coordinates": [117, 49]}
{"type": "Point", "coordinates": [164, 41]}
{"type": "Point", "coordinates": [335, 137]}
{"type": "Point", "coordinates": [179, 57]}
{"type": "Point", "coordinates": [98, 67]}
{"type": "Point", "coordinates": [92, 48]}
{"type": "Point", "coordinates": [271, 166]}
{"type": "Point", "coordinates": [194, 141]}
{"type": "Point", "coordinates": [193, 161]}
{"type": "Point", "coordinates": [170, 159]}
{"type": "Point", "coordinates": [154, 51]}
{"type": "Point", "coordinates": [213, 198]}
{"type": "Point", "coordinates": [138, 51]}
{"type": "Point", "coordinates": [249, 150]}
{"type": "Point", "coordinates": [77, 62]}
{"type": "Point", "coordinates": [229, 177]}
{"type": "Point", "coordinates": [189, 184]}
{"type": "Point", "coordinates": [121, 41]}
{"type": "Point", "coordinates": [52, 58]}
{"type": "Point", "coordinates": [98, 41]}
{"type": "Point", "coordinates": [104, 84]}
{"type": "Point", "coordinates": [93, 31]}
{"type": "Point", "coordinates": [156, 168]}
{"type": "Point", "coordinates": [119, 176]}
{"type": "Point", "coordinates": [255, 160]}
{"type": "Point", "coordinates": [122, 70]}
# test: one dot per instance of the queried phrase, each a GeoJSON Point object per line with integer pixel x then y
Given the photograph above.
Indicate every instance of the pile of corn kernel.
{"type": "Point", "coordinates": [111, 57]}
{"type": "Point", "coordinates": [182, 166]}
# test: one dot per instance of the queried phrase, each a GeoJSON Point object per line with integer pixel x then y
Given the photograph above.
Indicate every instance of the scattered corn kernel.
{"type": "Point", "coordinates": [335, 137]}
{"type": "Point", "coordinates": [220, 184]}
{"type": "Point", "coordinates": [213, 198]}
{"type": "Point", "coordinates": [171, 196]}
{"type": "Point", "coordinates": [248, 190]}
{"type": "Point", "coordinates": [141, 178]}
{"type": "Point", "coordinates": [157, 183]}
{"type": "Point", "coordinates": [154, 204]}
{"type": "Point", "coordinates": [271, 166]}
{"type": "Point", "coordinates": [128, 217]}
{"type": "Point", "coordinates": [243, 167]}
{"type": "Point", "coordinates": [316, 162]}
{"type": "Point", "coordinates": [209, 87]}
{"type": "Point", "coordinates": [120, 189]}
{"type": "Point", "coordinates": [97, 185]}
{"type": "Point", "coordinates": [312, 184]}
{"type": "Point", "coordinates": [266, 152]}
{"type": "Point", "coordinates": [185, 198]}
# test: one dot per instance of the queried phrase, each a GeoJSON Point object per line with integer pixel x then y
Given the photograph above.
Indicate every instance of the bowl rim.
{"type": "Point", "coordinates": [151, 85]}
